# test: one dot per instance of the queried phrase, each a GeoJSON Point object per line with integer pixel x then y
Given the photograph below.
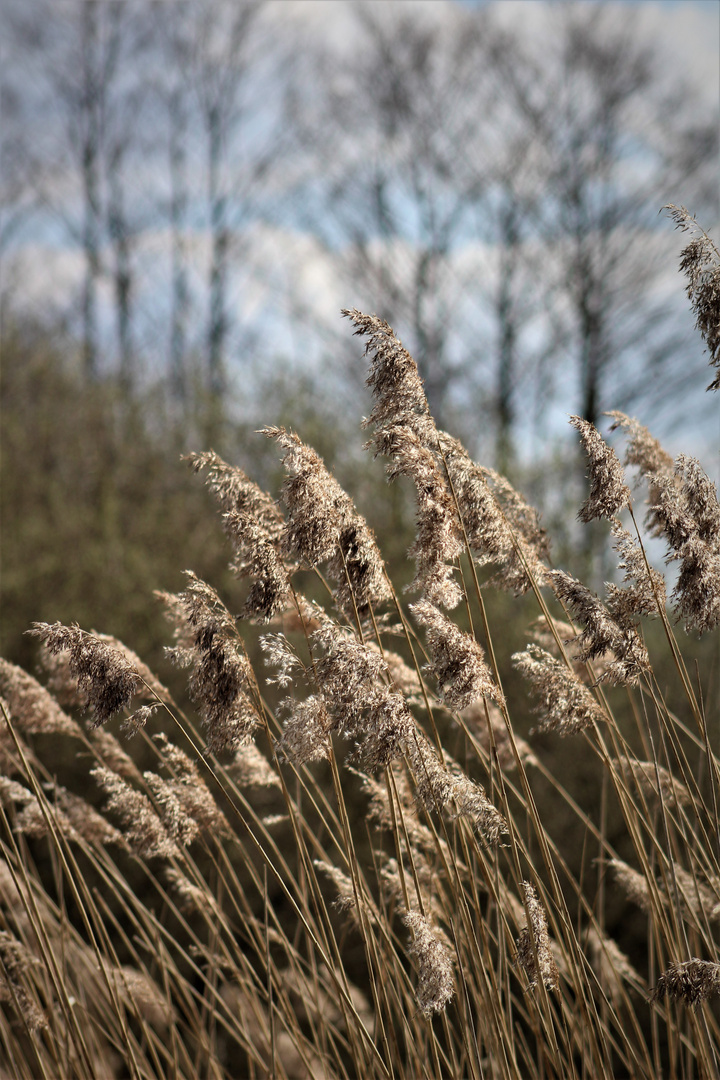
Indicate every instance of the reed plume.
{"type": "Point", "coordinates": [340, 849]}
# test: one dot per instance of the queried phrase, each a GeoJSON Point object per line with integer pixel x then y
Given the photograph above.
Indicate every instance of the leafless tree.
{"type": "Point", "coordinates": [18, 199]}
{"type": "Point", "coordinates": [394, 126]}
{"type": "Point", "coordinates": [596, 99]}
{"type": "Point", "coordinates": [178, 123]}
{"type": "Point", "coordinates": [83, 89]}
{"type": "Point", "coordinates": [227, 68]}
{"type": "Point", "coordinates": [83, 133]}
{"type": "Point", "coordinates": [549, 157]}
{"type": "Point", "coordinates": [173, 115]}
{"type": "Point", "coordinates": [124, 146]}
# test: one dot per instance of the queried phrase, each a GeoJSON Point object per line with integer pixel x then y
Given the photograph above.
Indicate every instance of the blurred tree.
{"type": "Point", "coordinates": [219, 64]}
{"type": "Point", "coordinates": [86, 62]}
{"type": "Point", "coordinates": [398, 177]}
{"type": "Point", "coordinates": [177, 158]}
{"type": "Point", "coordinates": [597, 101]}
{"type": "Point", "coordinates": [227, 57]}
{"type": "Point", "coordinates": [17, 194]}
{"type": "Point", "coordinates": [496, 196]}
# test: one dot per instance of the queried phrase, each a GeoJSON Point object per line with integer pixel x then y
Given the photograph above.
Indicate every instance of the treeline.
{"type": "Point", "coordinates": [99, 509]}
{"type": "Point", "coordinates": [193, 191]}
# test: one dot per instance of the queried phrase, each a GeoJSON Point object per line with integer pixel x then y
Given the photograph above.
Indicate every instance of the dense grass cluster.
{"type": "Point", "coordinates": [341, 861]}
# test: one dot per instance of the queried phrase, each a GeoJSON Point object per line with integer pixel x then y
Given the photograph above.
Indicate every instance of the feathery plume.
{"type": "Point", "coordinates": [655, 464]}
{"type": "Point", "coordinates": [254, 525]}
{"type": "Point", "coordinates": [672, 792]}
{"type": "Point", "coordinates": [695, 897]}
{"type": "Point", "coordinates": [538, 961]}
{"type": "Point", "coordinates": [701, 495]}
{"type": "Point", "coordinates": [458, 660]}
{"type": "Point", "coordinates": [479, 718]}
{"type": "Point", "coordinates": [252, 769]}
{"type": "Point", "coordinates": [388, 726]}
{"type": "Point", "coordinates": [601, 633]}
{"type": "Point", "coordinates": [692, 981]}
{"type": "Point", "coordinates": [238, 494]}
{"type": "Point", "coordinates": [10, 762]}
{"type": "Point", "coordinates": [144, 831]}
{"type": "Point", "coordinates": [542, 635]}
{"type": "Point", "coordinates": [112, 755]}
{"type": "Point", "coordinates": [63, 684]}
{"type": "Point", "coordinates": [84, 819]}
{"type": "Point", "coordinates": [220, 672]}
{"type": "Point", "coordinates": [323, 525]}
{"type": "Point", "coordinates": [523, 517]}
{"type": "Point", "coordinates": [422, 872]}
{"type": "Point", "coordinates": [611, 965]}
{"type": "Point", "coordinates": [72, 815]}
{"type": "Point", "coordinates": [439, 538]}
{"type": "Point", "coordinates": [436, 982]}
{"type": "Point", "coordinates": [633, 884]}
{"type": "Point", "coordinates": [181, 828]}
{"type": "Point", "coordinates": [394, 379]}
{"type": "Point", "coordinates": [348, 672]}
{"type": "Point", "coordinates": [643, 449]}
{"type": "Point", "coordinates": [700, 262]}
{"type": "Point", "coordinates": [316, 504]}
{"type": "Point", "coordinates": [500, 527]}
{"type": "Point", "coordinates": [690, 520]}
{"type": "Point", "coordinates": [353, 678]}
{"type": "Point", "coordinates": [13, 792]}
{"type": "Point", "coordinates": [185, 796]}
{"type": "Point", "coordinates": [357, 568]}
{"type": "Point", "coordinates": [144, 994]}
{"type": "Point", "coordinates": [190, 897]}
{"type": "Point", "coordinates": [280, 654]}
{"type": "Point", "coordinates": [137, 720]}
{"type": "Point", "coordinates": [346, 900]}
{"type": "Point", "coordinates": [15, 962]}
{"type": "Point", "coordinates": [566, 705]}
{"type": "Point", "coordinates": [260, 560]}
{"type": "Point", "coordinates": [440, 784]}
{"type": "Point", "coordinates": [380, 815]}
{"type": "Point", "coordinates": [306, 731]}
{"type": "Point", "coordinates": [403, 677]}
{"type": "Point", "coordinates": [150, 686]}
{"type": "Point", "coordinates": [406, 433]}
{"type": "Point", "coordinates": [33, 709]}
{"type": "Point", "coordinates": [439, 535]}
{"type": "Point", "coordinates": [608, 490]}
{"type": "Point", "coordinates": [646, 594]}
{"type": "Point", "coordinates": [31, 820]}
{"type": "Point", "coordinates": [106, 677]}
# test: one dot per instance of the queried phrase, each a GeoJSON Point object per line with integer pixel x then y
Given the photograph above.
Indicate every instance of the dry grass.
{"type": "Point", "coordinates": [305, 883]}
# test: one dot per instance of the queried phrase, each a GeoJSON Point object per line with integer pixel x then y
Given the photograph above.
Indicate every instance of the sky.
{"type": "Point", "coordinates": [691, 29]}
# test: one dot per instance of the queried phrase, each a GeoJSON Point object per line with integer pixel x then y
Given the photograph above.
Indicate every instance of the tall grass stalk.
{"type": "Point", "coordinates": [293, 877]}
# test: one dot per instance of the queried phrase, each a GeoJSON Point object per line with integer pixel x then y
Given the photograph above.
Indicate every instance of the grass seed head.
{"type": "Point", "coordinates": [692, 981]}
{"type": "Point", "coordinates": [534, 951]}
{"type": "Point", "coordinates": [436, 978]}
{"type": "Point", "coordinates": [608, 490]}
